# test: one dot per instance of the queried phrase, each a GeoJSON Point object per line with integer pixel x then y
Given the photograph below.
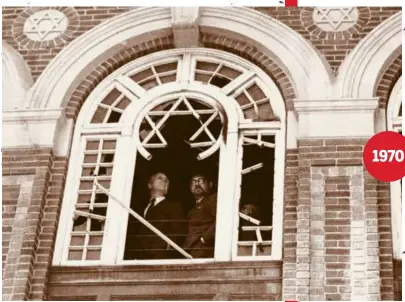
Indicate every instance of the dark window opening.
{"type": "Point", "coordinates": [178, 161]}
{"type": "Point", "coordinates": [257, 198]}
{"type": "Point", "coordinates": [219, 81]}
{"type": "Point", "coordinates": [114, 117]}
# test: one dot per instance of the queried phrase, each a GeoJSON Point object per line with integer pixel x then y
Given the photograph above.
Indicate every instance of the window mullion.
{"type": "Point", "coordinates": [278, 196]}
{"type": "Point", "coordinates": [115, 213]}
{"type": "Point", "coordinates": [226, 194]}
{"type": "Point", "coordinates": [238, 191]}
{"type": "Point", "coordinates": [185, 73]}
{"type": "Point", "coordinates": [239, 82]}
{"type": "Point", "coordinates": [131, 89]}
{"type": "Point", "coordinates": [69, 202]}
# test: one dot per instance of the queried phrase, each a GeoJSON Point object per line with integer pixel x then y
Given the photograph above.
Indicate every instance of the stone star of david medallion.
{"type": "Point", "coordinates": [45, 25]}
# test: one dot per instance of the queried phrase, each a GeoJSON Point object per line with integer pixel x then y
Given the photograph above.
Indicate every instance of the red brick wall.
{"type": "Point", "coordinates": [335, 47]}
{"type": "Point", "coordinates": [48, 229]}
{"type": "Point", "coordinates": [398, 280]}
{"type": "Point", "coordinates": [321, 263]}
{"type": "Point", "coordinates": [38, 56]}
{"type": "Point", "coordinates": [10, 195]}
{"type": "Point", "coordinates": [388, 80]}
{"type": "Point", "coordinates": [290, 220]}
{"type": "Point", "coordinates": [28, 184]}
{"type": "Point", "coordinates": [337, 237]}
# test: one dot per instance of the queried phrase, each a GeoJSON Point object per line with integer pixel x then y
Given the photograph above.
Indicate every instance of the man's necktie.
{"type": "Point", "coordinates": [152, 203]}
{"type": "Point", "coordinates": [150, 206]}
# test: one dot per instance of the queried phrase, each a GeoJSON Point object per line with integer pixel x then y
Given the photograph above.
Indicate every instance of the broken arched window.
{"type": "Point", "coordinates": [177, 112]}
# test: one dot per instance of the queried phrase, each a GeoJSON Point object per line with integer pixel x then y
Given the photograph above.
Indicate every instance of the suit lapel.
{"type": "Point", "coordinates": [154, 208]}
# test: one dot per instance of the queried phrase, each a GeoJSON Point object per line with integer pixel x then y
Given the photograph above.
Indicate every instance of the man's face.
{"type": "Point", "coordinates": [200, 186]}
{"type": "Point", "coordinates": [159, 183]}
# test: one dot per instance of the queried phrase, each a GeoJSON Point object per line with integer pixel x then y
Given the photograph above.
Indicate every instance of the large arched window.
{"type": "Point", "coordinates": [177, 112]}
{"type": "Point", "coordinates": [394, 123]}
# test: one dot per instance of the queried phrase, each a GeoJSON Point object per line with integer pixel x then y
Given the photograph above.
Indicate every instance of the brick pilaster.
{"type": "Point", "coordinates": [28, 169]}
{"type": "Point", "coordinates": [338, 223]}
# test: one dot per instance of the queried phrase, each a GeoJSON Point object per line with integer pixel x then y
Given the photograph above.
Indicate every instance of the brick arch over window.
{"type": "Point", "coordinates": [388, 80]}
{"type": "Point", "coordinates": [251, 53]}
{"type": "Point", "coordinates": [109, 65]}
{"type": "Point", "coordinates": [216, 42]}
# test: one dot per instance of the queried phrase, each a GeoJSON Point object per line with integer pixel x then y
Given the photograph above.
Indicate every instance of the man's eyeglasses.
{"type": "Point", "coordinates": [199, 180]}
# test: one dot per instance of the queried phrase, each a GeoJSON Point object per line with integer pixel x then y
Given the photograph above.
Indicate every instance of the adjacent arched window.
{"type": "Point", "coordinates": [179, 112]}
{"type": "Point", "coordinates": [394, 123]}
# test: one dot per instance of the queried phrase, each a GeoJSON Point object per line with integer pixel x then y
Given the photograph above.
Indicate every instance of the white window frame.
{"type": "Point", "coordinates": [128, 140]}
{"type": "Point", "coordinates": [394, 123]}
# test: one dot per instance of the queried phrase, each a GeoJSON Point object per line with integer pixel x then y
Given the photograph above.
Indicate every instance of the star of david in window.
{"type": "Point", "coordinates": [204, 135]}
{"type": "Point", "coordinates": [335, 18]}
{"type": "Point", "coordinates": [45, 25]}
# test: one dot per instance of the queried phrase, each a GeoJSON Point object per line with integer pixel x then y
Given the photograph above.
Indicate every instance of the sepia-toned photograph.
{"type": "Point", "coordinates": [199, 153]}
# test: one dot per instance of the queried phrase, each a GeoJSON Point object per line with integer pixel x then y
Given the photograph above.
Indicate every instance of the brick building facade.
{"type": "Point", "coordinates": [330, 79]}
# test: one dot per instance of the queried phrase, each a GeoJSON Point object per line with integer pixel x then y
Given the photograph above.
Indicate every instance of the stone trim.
{"type": "Point", "coordinates": [323, 118]}
{"type": "Point", "coordinates": [235, 280]}
{"type": "Point", "coordinates": [361, 70]}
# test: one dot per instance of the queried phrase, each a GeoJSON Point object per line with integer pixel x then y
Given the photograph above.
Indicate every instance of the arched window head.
{"type": "Point", "coordinates": [168, 148]}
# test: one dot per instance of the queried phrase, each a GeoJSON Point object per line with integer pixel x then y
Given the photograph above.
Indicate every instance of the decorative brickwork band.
{"type": "Point", "coordinates": [16, 282]}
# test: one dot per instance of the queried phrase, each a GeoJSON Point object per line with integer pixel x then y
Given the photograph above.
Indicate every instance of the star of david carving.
{"type": "Point", "coordinates": [323, 16]}
{"type": "Point", "coordinates": [53, 24]}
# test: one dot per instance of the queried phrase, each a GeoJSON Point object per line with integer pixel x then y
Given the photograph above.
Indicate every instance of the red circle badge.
{"type": "Point", "coordinates": [384, 156]}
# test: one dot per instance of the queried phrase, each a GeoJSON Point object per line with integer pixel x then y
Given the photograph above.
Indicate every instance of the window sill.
{"type": "Point", "coordinates": [263, 277]}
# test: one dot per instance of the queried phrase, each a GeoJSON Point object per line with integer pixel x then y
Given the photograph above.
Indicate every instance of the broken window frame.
{"type": "Point", "coordinates": [265, 129]}
{"type": "Point", "coordinates": [73, 187]}
{"type": "Point", "coordinates": [114, 240]}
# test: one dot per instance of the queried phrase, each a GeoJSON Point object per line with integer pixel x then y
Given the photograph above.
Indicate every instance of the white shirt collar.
{"type": "Point", "coordinates": [199, 200]}
{"type": "Point", "coordinates": [157, 201]}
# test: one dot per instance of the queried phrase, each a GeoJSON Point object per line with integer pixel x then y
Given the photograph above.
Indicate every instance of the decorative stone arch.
{"type": "Point", "coordinates": [359, 73]}
{"type": "Point", "coordinates": [301, 62]}
{"type": "Point", "coordinates": [17, 78]}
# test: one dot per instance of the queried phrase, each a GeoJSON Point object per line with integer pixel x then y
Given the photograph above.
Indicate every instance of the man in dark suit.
{"type": "Point", "coordinates": [200, 240]}
{"type": "Point", "coordinates": [165, 215]}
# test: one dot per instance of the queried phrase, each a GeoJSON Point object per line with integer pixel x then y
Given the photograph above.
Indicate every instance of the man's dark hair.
{"type": "Point", "coordinates": [204, 175]}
